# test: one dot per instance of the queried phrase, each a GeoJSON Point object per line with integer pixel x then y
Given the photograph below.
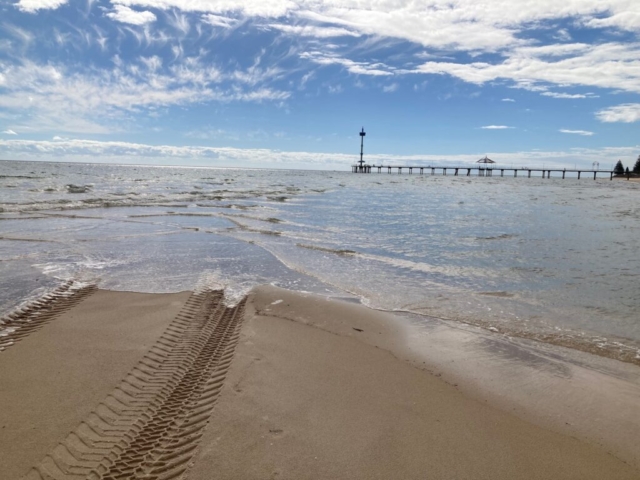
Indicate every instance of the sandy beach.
{"type": "Point", "coordinates": [129, 385]}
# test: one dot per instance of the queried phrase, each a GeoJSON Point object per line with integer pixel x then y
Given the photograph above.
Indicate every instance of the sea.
{"type": "Point", "coordinates": [551, 260]}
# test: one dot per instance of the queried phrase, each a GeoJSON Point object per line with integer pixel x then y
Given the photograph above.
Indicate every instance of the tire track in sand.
{"type": "Point", "coordinates": [150, 425]}
{"type": "Point", "coordinates": [27, 319]}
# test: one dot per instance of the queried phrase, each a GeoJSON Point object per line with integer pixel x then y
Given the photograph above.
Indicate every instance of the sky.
{"type": "Point", "coordinates": [284, 84]}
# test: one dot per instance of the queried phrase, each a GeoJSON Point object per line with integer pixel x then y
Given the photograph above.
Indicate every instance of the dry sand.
{"type": "Point", "coordinates": [315, 389]}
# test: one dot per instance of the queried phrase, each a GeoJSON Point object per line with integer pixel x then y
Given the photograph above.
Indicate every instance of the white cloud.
{"type": "Point", "coordinates": [609, 65]}
{"type": "Point", "coordinates": [495, 127]}
{"type": "Point", "coordinates": [9, 132]}
{"type": "Point", "coordinates": [124, 14]}
{"type": "Point", "coordinates": [32, 6]}
{"type": "Point", "coordinates": [577, 132]}
{"type": "Point", "coordinates": [624, 19]}
{"type": "Point", "coordinates": [569, 95]}
{"type": "Point", "coordinates": [627, 113]}
{"type": "Point", "coordinates": [508, 100]}
{"type": "Point", "coordinates": [390, 88]}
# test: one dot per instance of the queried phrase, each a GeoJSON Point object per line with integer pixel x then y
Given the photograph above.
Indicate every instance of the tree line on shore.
{"type": "Point", "coordinates": [619, 169]}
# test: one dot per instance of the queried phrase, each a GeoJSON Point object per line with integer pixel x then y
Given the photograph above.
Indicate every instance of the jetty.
{"type": "Point", "coordinates": [485, 168]}
{"type": "Point", "coordinates": [483, 171]}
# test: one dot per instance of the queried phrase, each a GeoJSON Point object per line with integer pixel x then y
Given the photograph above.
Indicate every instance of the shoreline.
{"type": "Point", "coordinates": [316, 388]}
{"type": "Point", "coordinates": [632, 178]}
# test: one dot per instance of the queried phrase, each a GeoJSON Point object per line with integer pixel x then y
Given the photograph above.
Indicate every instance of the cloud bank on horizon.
{"type": "Point", "coordinates": [431, 78]}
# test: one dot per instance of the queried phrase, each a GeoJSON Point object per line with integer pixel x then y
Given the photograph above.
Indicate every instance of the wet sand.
{"type": "Point", "coordinates": [630, 179]}
{"type": "Point", "coordinates": [55, 377]}
{"type": "Point", "coordinates": [292, 386]}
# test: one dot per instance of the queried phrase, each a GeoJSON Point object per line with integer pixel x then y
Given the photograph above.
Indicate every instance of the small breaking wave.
{"type": "Point", "coordinates": [504, 236]}
{"type": "Point", "coordinates": [19, 176]}
{"type": "Point", "coordinates": [623, 350]}
{"type": "Point", "coordinates": [249, 217]}
{"type": "Point", "coordinates": [71, 188]}
{"type": "Point", "coordinates": [337, 251]}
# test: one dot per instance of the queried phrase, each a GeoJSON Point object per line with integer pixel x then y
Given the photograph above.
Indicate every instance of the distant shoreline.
{"type": "Point", "coordinates": [632, 177]}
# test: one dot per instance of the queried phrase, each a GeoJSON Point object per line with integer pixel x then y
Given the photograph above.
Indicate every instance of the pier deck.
{"type": "Point", "coordinates": [480, 171]}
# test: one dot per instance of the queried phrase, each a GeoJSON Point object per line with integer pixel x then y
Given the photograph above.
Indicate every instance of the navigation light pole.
{"type": "Point", "coordinates": [361, 162]}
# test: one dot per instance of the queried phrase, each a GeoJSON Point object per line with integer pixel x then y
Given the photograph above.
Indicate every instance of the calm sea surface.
{"type": "Point", "coordinates": [554, 260]}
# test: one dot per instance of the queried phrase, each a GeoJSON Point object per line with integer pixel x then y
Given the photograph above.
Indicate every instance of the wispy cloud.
{"type": "Point", "coordinates": [249, 8]}
{"type": "Point", "coordinates": [563, 35]}
{"type": "Point", "coordinates": [627, 113]}
{"type": "Point", "coordinates": [219, 20]}
{"type": "Point", "coordinates": [508, 100]}
{"type": "Point", "coordinates": [495, 127]}
{"type": "Point", "coordinates": [314, 31]}
{"type": "Point", "coordinates": [569, 95]}
{"type": "Point", "coordinates": [9, 132]}
{"type": "Point", "coordinates": [25, 37]}
{"type": "Point", "coordinates": [358, 68]}
{"type": "Point", "coordinates": [212, 133]}
{"type": "Point", "coordinates": [390, 88]}
{"type": "Point", "coordinates": [585, 133]}
{"type": "Point", "coordinates": [70, 101]}
{"type": "Point", "coordinates": [460, 25]}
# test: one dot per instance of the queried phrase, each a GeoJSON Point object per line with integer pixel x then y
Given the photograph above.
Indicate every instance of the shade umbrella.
{"type": "Point", "coordinates": [485, 160]}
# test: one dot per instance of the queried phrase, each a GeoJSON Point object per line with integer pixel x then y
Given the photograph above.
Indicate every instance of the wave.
{"type": "Point", "coordinates": [504, 236]}
{"type": "Point", "coordinates": [249, 217]}
{"type": "Point", "coordinates": [19, 176]}
{"type": "Point", "coordinates": [71, 188]}
{"type": "Point", "coordinates": [621, 349]}
{"type": "Point", "coordinates": [328, 250]}
{"type": "Point", "coordinates": [127, 201]}
{"type": "Point", "coordinates": [617, 348]}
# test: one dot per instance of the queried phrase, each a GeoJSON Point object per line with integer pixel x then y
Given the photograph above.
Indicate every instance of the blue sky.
{"type": "Point", "coordinates": [277, 83]}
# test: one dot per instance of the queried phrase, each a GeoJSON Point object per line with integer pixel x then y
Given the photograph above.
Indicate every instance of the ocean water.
{"type": "Point", "coordinates": [552, 260]}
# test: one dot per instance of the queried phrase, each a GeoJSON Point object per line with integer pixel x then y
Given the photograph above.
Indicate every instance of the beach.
{"type": "Point", "coordinates": [174, 322]}
{"type": "Point", "coordinates": [288, 385]}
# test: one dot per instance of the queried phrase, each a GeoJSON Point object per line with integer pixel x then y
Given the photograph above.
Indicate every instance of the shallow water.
{"type": "Point", "coordinates": [546, 259]}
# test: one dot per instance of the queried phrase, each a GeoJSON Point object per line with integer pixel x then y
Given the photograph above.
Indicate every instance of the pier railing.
{"type": "Point", "coordinates": [480, 171]}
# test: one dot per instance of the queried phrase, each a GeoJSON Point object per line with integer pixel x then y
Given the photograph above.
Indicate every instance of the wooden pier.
{"type": "Point", "coordinates": [481, 171]}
